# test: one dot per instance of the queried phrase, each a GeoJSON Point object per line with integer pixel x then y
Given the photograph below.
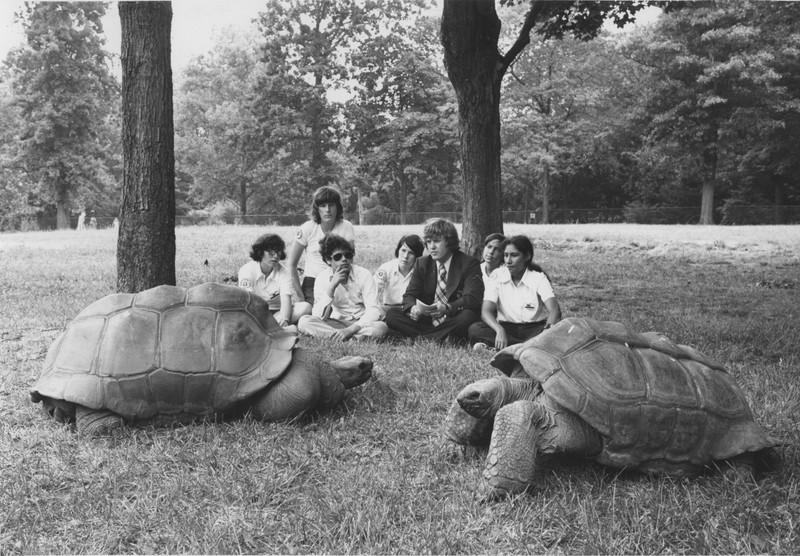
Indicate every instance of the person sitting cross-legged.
{"type": "Point", "coordinates": [345, 297]}
{"type": "Point", "coordinates": [444, 295]}
{"type": "Point", "coordinates": [518, 303]}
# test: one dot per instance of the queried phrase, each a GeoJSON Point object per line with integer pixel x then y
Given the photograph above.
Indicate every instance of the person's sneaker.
{"type": "Point", "coordinates": [480, 346]}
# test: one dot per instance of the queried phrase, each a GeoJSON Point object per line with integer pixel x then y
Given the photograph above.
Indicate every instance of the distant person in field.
{"type": "Point", "coordinates": [345, 297]}
{"type": "Point", "coordinates": [266, 277]}
{"type": "Point", "coordinates": [518, 302]}
{"type": "Point", "coordinates": [327, 217]}
{"type": "Point", "coordinates": [393, 277]}
{"type": "Point", "coordinates": [444, 295]}
{"type": "Point", "coordinates": [492, 254]}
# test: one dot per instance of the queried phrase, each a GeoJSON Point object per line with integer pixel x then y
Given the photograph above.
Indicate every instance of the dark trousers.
{"type": "Point", "coordinates": [454, 328]}
{"type": "Point", "coordinates": [308, 289]}
{"type": "Point", "coordinates": [516, 332]}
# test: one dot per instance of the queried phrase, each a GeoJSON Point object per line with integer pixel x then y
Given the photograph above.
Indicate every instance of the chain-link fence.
{"type": "Point", "coordinates": [731, 215]}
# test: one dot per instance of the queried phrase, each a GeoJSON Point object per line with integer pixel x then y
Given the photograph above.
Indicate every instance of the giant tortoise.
{"type": "Point", "coordinates": [598, 390]}
{"type": "Point", "coordinates": [176, 355]}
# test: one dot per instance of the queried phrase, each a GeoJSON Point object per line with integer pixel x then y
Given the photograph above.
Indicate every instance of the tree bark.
{"type": "Point", "coordinates": [470, 31]}
{"type": "Point", "coordinates": [546, 194]}
{"type": "Point", "coordinates": [146, 244]}
{"type": "Point", "coordinates": [709, 176]}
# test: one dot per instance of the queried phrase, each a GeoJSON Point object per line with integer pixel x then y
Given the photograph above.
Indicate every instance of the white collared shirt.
{"type": "Point", "coordinates": [355, 300]}
{"type": "Point", "coordinates": [518, 303]}
{"type": "Point", "coordinates": [270, 288]}
{"type": "Point", "coordinates": [391, 283]}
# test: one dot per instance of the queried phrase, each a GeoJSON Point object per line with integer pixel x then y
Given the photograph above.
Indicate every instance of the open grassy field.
{"type": "Point", "coordinates": [373, 476]}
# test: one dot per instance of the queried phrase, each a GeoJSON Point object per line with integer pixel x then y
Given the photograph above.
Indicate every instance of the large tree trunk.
{"type": "Point", "coordinates": [709, 176]}
{"type": "Point", "coordinates": [403, 198]}
{"type": "Point", "coordinates": [146, 244]}
{"type": "Point", "coordinates": [470, 30]}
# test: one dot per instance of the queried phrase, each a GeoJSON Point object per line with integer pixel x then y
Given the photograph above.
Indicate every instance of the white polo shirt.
{"type": "Point", "coordinates": [309, 234]}
{"type": "Point", "coordinates": [391, 283]}
{"type": "Point", "coordinates": [279, 282]}
{"type": "Point", "coordinates": [520, 303]}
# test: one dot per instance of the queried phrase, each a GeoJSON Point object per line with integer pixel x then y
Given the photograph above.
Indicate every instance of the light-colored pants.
{"type": "Point", "coordinates": [315, 326]}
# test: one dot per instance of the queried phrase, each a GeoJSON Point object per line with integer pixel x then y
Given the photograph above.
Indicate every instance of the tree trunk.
{"type": "Point", "coordinates": [243, 198]}
{"type": "Point", "coordinates": [146, 244]}
{"type": "Point", "coordinates": [779, 213]}
{"type": "Point", "coordinates": [403, 198]}
{"type": "Point", "coordinates": [709, 176]}
{"type": "Point", "coordinates": [62, 215]}
{"type": "Point", "coordinates": [470, 30]}
{"type": "Point", "coordinates": [546, 195]}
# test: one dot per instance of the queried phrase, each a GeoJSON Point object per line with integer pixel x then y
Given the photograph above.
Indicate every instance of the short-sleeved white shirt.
{"type": "Point", "coordinates": [309, 234]}
{"type": "Point", "coordinates": [391, 282]}
{"type": "Point", "coordinates": [521, 303]}
{"type": "Point", "coordinates": [271, 288]}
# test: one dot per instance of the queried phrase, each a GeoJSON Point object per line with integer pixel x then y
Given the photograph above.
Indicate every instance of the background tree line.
{"type": "Point", "coordinates": [699, 109]}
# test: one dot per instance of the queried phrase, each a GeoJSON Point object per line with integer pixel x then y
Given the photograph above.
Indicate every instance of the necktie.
{"type": "Point", "coordinates": [441, 295]}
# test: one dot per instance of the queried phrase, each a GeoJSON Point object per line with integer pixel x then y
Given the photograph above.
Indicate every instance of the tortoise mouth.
{"type": "Point", "coordinates": [475, 403]}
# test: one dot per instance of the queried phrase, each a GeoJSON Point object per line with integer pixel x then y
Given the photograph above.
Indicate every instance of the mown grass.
{"type": "Point", "coordinates": [374, 475]}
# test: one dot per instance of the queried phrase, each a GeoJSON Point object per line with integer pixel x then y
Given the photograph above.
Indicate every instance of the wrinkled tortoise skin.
{"type": "Point", "coordinates": [649, 398]}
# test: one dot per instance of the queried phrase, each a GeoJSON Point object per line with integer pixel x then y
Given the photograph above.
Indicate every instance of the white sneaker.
{"type": "Point", "coordinates": [480, 346]}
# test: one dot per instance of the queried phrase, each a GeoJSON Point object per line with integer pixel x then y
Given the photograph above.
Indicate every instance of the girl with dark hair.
{"type": "Point", "coordinates": [327, 217]}
{"type": "Point", "coordinates": [492, 254]}
{"type": "Point", "coordinates": [266, 277]}
{"type": "Point", "coordinates": [518, 302]}
{"type": "Point", "coordinates": [392, 277]}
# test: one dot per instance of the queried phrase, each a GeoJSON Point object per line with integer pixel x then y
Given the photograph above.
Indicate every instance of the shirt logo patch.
{"type": "Point", "coordinates": [381, 273]}
{"type": "Point", "coordinates": [245, 283]}
{"type": "Point", "coordinates": [299, 233]}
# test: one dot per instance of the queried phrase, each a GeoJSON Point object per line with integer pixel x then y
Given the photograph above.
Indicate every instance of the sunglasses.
{"type": "Point", "coordinates": [274, 253]}
{"type": "Point", "coordinates": [347, 255]}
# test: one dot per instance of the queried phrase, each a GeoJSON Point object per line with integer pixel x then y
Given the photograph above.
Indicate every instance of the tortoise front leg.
{"type": "Point", "coordinates": [97, 422]}
{"type": "Point", "coordinates": [526, 436]}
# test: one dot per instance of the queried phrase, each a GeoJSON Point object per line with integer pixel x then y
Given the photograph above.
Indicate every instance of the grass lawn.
{"type": "Point", "coordinates": [373, 476]}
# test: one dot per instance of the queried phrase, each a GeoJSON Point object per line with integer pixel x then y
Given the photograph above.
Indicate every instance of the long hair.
{"type": "Point", "coordinates": [323, 195]}
{"type": "Point", "coordinates": [524, 246]}
{"type": "Point", "coordinates": [436, 228]}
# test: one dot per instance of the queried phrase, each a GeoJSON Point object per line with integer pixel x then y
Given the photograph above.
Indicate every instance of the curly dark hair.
{"type": "Point", "coordinates": [331, 243]}
{"type": "Point", "coordinates": [413, 242]}
{"type": "Point", "coordinates": [323, 195]}
{"type": "Point", "coordinates": [267, 242]}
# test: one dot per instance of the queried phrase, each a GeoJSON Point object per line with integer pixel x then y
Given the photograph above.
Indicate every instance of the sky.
{"type": "Point", "coordinates": [194, 23]}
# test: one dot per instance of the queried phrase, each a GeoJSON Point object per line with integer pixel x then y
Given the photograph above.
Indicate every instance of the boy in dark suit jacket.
{"type": "Point", "coordinates": [446, 290]}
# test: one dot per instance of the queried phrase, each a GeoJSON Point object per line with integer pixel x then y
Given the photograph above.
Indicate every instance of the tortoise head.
{"type": "Point", "coordinates": [484, 398]}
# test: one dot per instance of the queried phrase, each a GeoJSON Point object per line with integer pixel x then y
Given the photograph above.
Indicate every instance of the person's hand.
{"type": "Point", "coordinates": [415, 313]}
{"type": "Point", "coordinates": [501, 340]}
{"type": "Point", "coordinates": [439, 310]}
{"type": "Point", "coordinates": [283, 321]}
{"type": "Point", "coordinates": [345, 333]}
{"type": "Point", "coordinates": [341, 275]}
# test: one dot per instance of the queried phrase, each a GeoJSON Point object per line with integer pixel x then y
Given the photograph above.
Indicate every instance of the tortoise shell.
{"type": "Point", "coordinates": [650, 398]}
{"type": "Point", "coordinates": [167, 351]}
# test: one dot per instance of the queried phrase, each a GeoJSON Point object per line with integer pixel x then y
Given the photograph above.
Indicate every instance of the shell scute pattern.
{"type": "Point", "coordinates": [650, 398]}
{"type": "Point", "coordinates": [167, 351]}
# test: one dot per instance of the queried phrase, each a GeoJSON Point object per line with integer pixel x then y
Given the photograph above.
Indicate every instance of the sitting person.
{"type": "Point", "coordinates": [266, 277]}
{"type": "Point", "coordinates": [345, 297]}
{"type": "Point", "coordinates": [443, 297]}
{"type": "Point", "coordinates": [518, 302]}
{"type": "Point", "coordinates": [393, 277]}
{"type": "Point", "coordinates": [492, 255]}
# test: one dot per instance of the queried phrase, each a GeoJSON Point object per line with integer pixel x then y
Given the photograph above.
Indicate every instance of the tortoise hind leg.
{"type": "Point", "coordinates": [526, 436]}
{"type": "Point", "coordinates": [97, 422]}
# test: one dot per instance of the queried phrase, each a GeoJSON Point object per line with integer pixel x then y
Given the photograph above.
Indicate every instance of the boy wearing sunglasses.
{"type": "Point", "coordinates": [345, 297]}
